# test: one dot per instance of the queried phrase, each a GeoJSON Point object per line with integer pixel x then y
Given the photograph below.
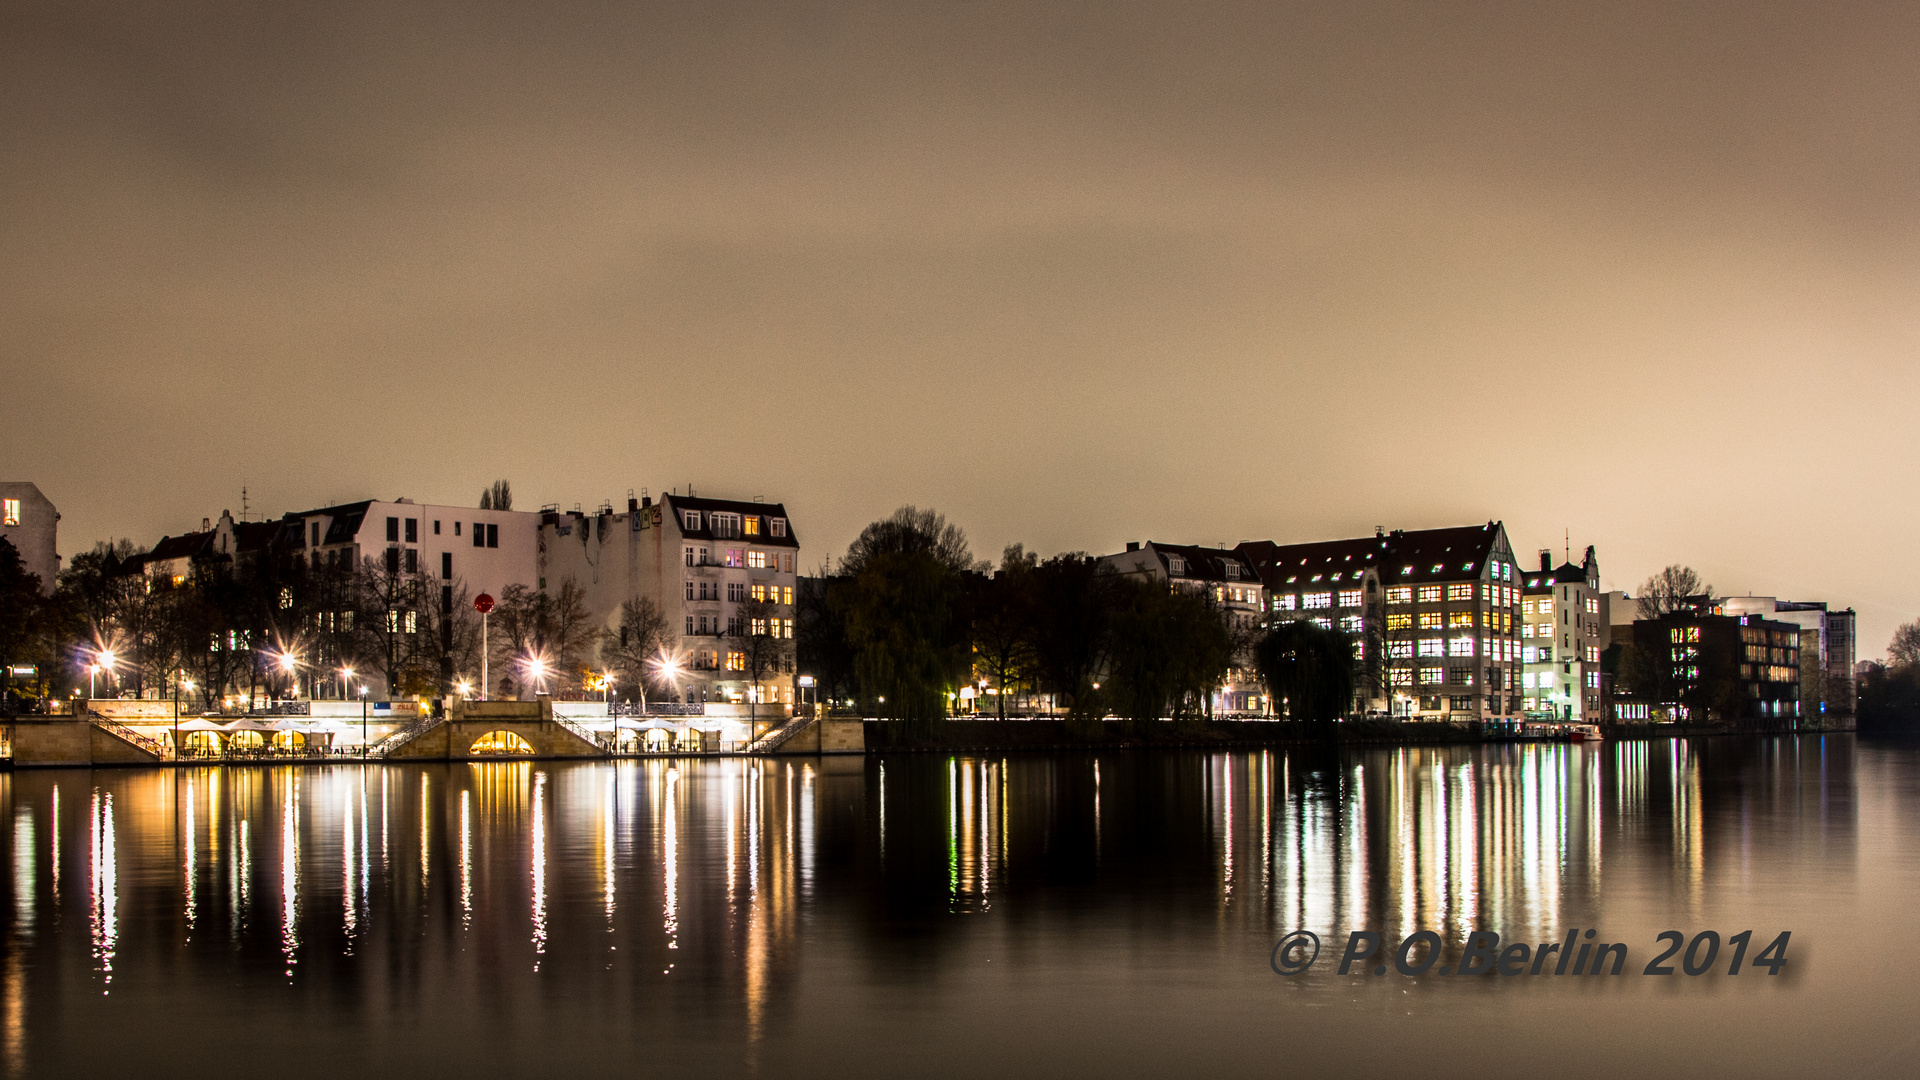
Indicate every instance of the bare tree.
{"type": "Point", "coordinates": [1904, 649]}
{"type": "Point", "coordinates": [1677, 588]}
{"type": "Point", "coordinates": [535, 627]}
{"type": "Point", "coordinates": [763, 646]}
{"type": "Point", "coordinates": [629, 649]}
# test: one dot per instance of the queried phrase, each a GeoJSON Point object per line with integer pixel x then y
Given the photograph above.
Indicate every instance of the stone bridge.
{"type": "Point", "coordinates": [470, 722]}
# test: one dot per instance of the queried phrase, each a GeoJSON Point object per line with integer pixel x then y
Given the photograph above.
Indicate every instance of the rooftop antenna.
{"type": "Point", "coordinates": [243, 501]}
{"type": "Point", "coordinates": [1569, 542]}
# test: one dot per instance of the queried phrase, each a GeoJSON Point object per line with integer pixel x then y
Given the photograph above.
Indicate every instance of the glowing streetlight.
{"type": "Point", "coordinates": [346, 682]}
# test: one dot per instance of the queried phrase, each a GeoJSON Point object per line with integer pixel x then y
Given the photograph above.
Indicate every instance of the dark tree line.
{"type": "Point", "coordinates": [909, 619]}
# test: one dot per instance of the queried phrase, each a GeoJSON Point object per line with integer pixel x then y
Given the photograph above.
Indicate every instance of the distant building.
{"type": "Point", "coordinates": [31, 524]}
{"type": "Point", "coordinates": [701, 561]}
{"type": "Point", "coordinates": [1565, 629]}
{"type": "Point", "coordinates": [1439, 640]}
{"type": "Point", "coordinates": [1826, 647]}
{"type": "Point", "coordinates": [1227, 578]}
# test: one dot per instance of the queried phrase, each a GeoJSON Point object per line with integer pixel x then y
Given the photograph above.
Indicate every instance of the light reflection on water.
{"type": "Point", "coordinates": [1011, 913]}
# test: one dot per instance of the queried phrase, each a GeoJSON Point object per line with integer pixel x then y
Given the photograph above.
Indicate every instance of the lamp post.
{"type": "Point", "coordinates": [363, 722]}
{"type": "Point", "coordinates": [346, 681]}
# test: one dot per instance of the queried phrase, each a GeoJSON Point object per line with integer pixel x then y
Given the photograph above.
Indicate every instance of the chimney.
{"type": "Point", "coordinates": [646, 500]}
{"type": "Point", "coordinates": [1379, 530]}
{"type": "Point", "coordinates": [1133, 545]}
{"type": "Point", "coordinates": [1546, 560]}
{"type": "Point", "coordinates": [206, 524]}
{"type": "Point", "coordinates": [632, 504]}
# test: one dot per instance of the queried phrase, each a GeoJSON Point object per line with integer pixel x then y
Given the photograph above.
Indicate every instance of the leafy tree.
{"type": "Point", "coordinates": [1677, 588]}
{"type": "Point", "coordinates": [1070, 629]}
{"type": "Point", "coordinates": [23, 618]}
{"type": "Point", "coordinates": [903, 610]}
{"type": "Point", "coordinates": [1309, 668]}
{"type": "Point", "coordinates": [1002, 613]}
{"type": "Point", "coordinates": [497, 497]}
{"type": "Point", "coordinates": [821, 645]}
{"type": "Point", "coordinates": [1170, 650]}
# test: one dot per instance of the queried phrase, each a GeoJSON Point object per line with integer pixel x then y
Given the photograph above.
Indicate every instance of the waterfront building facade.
{"type": "Point", "coordinates": [1441, 642]}
{"type": "Point", "coordinates": [1738, 670]}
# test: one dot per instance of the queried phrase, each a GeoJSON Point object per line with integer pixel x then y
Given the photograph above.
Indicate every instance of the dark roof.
{"type": "Point", "coordinates": [1202, 563]}
{"type": "Point", "coordinates": [345, 523]}
{"type": "Point", "coordinates": [677, 503]}
{"type": "Point", "coordinates": [1283, 566]}
{"type": "Point", "coordinates": [1419, 555]}
{"type": "Point", "coordinates": [1564, 574]}
{"type": "Point", "coordinates": [184, 546]}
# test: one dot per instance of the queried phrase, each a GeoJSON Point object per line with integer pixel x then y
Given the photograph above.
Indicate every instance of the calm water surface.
{"type": "Point", "coordinates": [969, 915]}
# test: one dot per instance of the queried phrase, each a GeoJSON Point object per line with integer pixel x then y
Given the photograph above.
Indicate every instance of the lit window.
{"type": "Point", "coordinates": [1433, 676]}
{"type": "Point", "coordinates": [756, 560]}
{"type": "Point", "coordinates": [1458, 619]}
{"type": "Point", "coordinates": [1430, 620]}
{"type": "Point", "coordinates": [1400, 650]}
{"type": "Point", "coordinates": [1432, 647]}
{"type": "Point", "coordinates": [1352, 624]}
{"type": "Point", "coordinates": [736, 661]}
{"type": "Point", "coordinates": [1459, 592]}
{"type": "Point", "coordinates": [11, 512]}
{"type": "Point", "coordinates": [1400, 622]}
{"type": "Point", "coordinates": [1285, 603]}
{"type": "Point", "coordinates": [1593, 680]}
{"type": "Point", "coordinates": [1317, 577]}
{"type": "Point", "coordinates": [1460, 646]}
{"type": "Point", "coordinates": [1350, 598]}
{"type": "Point", "coordinates": [751, 526]}
{"type": "Point", "coordinates": [1400, 594]}
{"type": "Point", "coordinates": [759, 628]}
{"type": "Point", "coordinates": [733, 557]}
{"type": "Point", "coordinates": [1429, 594]}
{"type": "Point", "coordinates": [1317, 600]}
{"type": "Point", "coordinates": [1403, 676]}
{"type": "Point", "coordinates": [786, 595]}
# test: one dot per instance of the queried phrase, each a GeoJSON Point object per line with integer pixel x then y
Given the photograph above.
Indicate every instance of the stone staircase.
{"type": "Point", "coordinates": [161, 750]}
{"type": "Point", "coordinates": [773, 740]}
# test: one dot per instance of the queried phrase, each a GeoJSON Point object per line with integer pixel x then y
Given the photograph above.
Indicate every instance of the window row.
{"type": "Point", "coordinates": [725, 525]}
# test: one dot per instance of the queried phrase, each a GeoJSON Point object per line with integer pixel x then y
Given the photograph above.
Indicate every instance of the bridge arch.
{"type": "Point", "coordinates": [501, 741]}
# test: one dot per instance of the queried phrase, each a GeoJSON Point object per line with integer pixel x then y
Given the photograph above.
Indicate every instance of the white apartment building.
{"type": "Point", "coordinates": [700, 561]}
{"type": "Point", "coordinates": [1565, 628]}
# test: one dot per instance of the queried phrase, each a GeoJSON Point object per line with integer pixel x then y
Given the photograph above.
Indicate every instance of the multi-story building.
{"type": "Point", "coordinates": [1228, 579]}
{"type": "Point", "coordinates": [1564, 630]}
{"type": "Point", "coordinates": [708, 565]}
{"type": "Point", "coordinates": [1740, 670]}
{"type": "Point", "coordinates": [31, 524]}
{"type": "Point", "coordinates": [1440, 638]}
{"type": "Point", "coordinates": [1826, 647]}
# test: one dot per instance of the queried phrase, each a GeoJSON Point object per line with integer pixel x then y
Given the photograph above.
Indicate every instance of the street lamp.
{"type": "Point", "coordinates": [346, 682]}
{"type": "Point", "coordinates": [363, 721]}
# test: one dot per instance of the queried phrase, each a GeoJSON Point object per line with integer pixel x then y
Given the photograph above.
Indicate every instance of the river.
{"type": "Point", "coordinates": [967, 915]}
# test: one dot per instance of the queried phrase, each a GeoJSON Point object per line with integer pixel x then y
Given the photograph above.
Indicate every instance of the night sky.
{"type": "Point", "coordinates": [1074, 274]}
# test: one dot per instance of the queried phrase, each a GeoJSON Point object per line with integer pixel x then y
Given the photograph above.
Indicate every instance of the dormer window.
{"type": "Point", "coordinates": [690, 520]}
{"type": "Point", "coordinates": [1233, 572]}
{"type": "Point", "coordinates": [777, 526]}
{"type": "Point", "coordinates": [751, 526]}
{"type": "Point", "coordinates": [1176, 565]}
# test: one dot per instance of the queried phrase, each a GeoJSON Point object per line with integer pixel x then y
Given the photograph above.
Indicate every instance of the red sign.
{"type": "Point", "coordinates": [483, 603]}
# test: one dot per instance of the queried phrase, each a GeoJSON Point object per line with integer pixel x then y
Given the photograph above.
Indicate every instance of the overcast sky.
{"type": "Point", "coordinates": [1074, 274]}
